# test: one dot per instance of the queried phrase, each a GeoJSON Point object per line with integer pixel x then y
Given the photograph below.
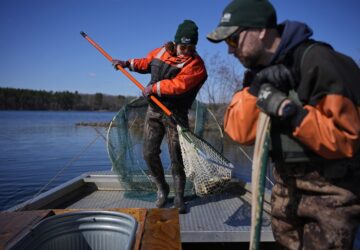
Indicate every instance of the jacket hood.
{"type": "Point", "coordinates": [293, 33]}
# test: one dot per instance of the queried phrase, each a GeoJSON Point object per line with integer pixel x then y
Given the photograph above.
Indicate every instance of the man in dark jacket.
{"type": "Point", "coordinates": [177, 74]}
{"type": "Point", "coordinates": [312, 94]}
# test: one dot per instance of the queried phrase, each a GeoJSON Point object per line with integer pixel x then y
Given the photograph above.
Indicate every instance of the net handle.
{"type": "Point", "coordinates": [128, 75]}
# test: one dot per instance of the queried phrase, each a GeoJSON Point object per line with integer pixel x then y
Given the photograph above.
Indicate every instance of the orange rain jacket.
{"type": "Point", "coordinates": [176, 80]}
{"type": "Point", "coordinates": [329, 91]}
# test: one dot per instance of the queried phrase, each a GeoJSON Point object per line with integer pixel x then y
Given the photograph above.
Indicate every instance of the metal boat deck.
{"type": "Point", "coordinates": [218, 218]}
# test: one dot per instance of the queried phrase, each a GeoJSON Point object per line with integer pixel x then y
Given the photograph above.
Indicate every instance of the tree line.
{"type": "Point", "coordinates": [224, 78]}
{"type": "Point", "coordinates": [25, 99]}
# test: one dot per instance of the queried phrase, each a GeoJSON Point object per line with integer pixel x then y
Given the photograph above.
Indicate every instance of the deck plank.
{"type": "Point", "coordinates": [13, 225]}
{"type": "Point", "coordinates": [161, 230]}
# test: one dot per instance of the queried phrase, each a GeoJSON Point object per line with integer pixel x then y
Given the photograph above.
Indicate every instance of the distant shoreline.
{"type": "Point", "coordinates": [13, 99]}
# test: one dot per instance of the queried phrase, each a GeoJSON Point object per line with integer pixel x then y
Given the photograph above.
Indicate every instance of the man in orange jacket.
{"type": "Point", "coordinates": [177, 74]}
{"type": "Point", "coordinates": [312, 94]}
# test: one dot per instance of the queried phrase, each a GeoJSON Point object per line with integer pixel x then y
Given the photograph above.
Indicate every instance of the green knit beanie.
{"type": "Point", "coordinates": [187, 33]}
{"type": "Point", "coordinates": [244, 13]}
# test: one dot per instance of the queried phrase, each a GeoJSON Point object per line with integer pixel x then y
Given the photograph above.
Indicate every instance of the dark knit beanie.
{"type": "Point", "coordinates": [244, 13]}
{"type": "Point", "coordinates": [187, 33]}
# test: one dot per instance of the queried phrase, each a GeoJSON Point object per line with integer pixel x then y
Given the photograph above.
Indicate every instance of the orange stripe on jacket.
{"type": "Point", "coordinates": [190, 76]}
{"type": "Point", "coordinates": [241, 117]}
{"type": "Point", "coordinates": [142, 64]}
{"type": "Point", "coordinates": [332, 128]}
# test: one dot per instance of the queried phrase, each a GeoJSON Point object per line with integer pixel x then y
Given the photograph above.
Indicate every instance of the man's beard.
{"type": "Point", "coordinates": [251, 61]}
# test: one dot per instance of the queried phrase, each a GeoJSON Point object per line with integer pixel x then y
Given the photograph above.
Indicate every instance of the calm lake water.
{"type": "Point", "coordinates": [35, 146]}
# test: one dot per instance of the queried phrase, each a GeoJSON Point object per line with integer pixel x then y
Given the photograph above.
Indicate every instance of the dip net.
{"type": "Point", "coordinates": [204, 166]}
{"type": "Point", "coordinates": [206, 169]}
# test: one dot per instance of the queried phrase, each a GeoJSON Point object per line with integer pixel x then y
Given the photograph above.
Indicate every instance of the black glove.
{"type": "Point", "coordinates": [270, 99]}
{"type": "Point", "coordinates": [147, 91]}
{"type": "Point", "coordinates": [124, 64]}
{"type": "Point", "coordinates": [278, 75]}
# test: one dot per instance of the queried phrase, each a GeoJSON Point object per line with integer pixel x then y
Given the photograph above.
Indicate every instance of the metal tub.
{"type": "Point", "coordinates": [81, 230]}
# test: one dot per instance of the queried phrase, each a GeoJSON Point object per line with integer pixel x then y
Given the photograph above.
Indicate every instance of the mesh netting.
{"type": "Point", "coordinates": [204, 166]}
{"type": "Point", "coordinates": [125, 144]}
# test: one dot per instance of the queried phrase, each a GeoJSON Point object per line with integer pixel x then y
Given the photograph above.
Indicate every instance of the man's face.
{"type": "Point", "coordinates": [185, 50]}
{"type": "Point", "coordinates": [249, 49]}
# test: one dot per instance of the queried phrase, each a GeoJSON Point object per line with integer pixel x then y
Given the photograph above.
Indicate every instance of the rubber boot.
{"type": "Point", "coordinates": [179, 203]}
{"type": "Point", "coordinates": [163, 190]}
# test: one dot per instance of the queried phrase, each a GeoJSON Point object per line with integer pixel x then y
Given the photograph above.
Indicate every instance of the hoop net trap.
{"type": "Point", "coordinates": [207, 171]}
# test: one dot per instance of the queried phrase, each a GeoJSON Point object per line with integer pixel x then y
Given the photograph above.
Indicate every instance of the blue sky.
{"type": "Point", "coordinates": [41, 48]}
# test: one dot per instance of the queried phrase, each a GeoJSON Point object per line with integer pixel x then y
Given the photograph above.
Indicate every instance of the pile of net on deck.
{"type": "Point", "coordinates": [206, 169]}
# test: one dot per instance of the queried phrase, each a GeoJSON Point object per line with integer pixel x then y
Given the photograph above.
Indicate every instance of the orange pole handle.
{"type": "Point", "coordinates": [137, 83]}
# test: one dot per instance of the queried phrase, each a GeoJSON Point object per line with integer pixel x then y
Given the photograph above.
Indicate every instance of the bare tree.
{"type": "Point", "coordinates": [224, 77]}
